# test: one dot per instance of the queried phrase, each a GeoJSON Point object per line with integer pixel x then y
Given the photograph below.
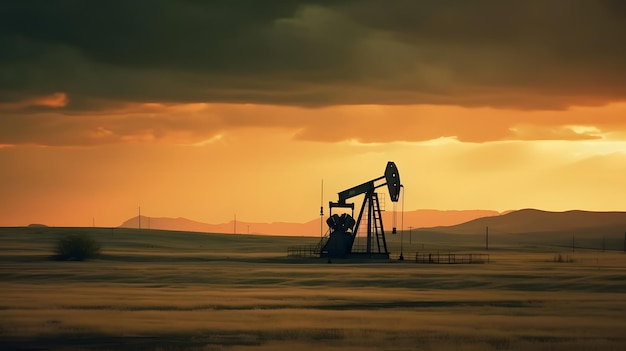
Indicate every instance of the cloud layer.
{"type": "Point", "coordinates": [75, 73]}
{"type": "Point", "coordinates": [520, 55]}
{"type": "Point", "coordinates": [202, 124]}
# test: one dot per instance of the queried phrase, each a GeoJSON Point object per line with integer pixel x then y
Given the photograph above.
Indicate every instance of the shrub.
{"type": "Point", "coordinates": [76, 247]}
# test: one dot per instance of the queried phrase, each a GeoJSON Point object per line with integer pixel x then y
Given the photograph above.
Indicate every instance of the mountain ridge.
{"type": "Point", "coordinates": [539, 221]}
{"type": "Point", "coordinates": [415, 219]}
{"type": "Point", "coordinates": [451, 222]}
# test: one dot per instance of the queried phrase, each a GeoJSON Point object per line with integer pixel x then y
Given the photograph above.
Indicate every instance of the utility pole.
{"type": "Point", "coordinates": [487, 238]}
{"type": "Point", "coordinates": [603, 243]}
{"type": "Point", "coordinates": [401, 245]}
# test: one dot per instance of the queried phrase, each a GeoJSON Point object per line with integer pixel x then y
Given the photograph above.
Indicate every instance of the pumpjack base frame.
{"type": "Point", "coordinates": [369, 256]}
{"type": "Point", "coordinates": [358, 255]}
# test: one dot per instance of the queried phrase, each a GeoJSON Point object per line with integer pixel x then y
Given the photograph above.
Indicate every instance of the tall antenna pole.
{"type": "Point", "coordinates": [322, 211]}
{"type": "Point", "coordinates": [402, 214]}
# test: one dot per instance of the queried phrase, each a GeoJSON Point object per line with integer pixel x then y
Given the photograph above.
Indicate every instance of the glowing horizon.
{"type": "Point", "coordinates": [269, 174]}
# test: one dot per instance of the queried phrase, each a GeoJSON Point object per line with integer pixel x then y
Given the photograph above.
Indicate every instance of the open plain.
{"type": "Point", "coordinates": [160, 290]}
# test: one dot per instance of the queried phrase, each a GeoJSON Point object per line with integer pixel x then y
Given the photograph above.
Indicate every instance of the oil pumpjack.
{"type": "Point", "coordinates": [343, 229]}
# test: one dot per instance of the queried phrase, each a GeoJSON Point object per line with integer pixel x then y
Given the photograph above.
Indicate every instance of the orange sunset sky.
{"type": "Point", "coordinates": [204, 110]}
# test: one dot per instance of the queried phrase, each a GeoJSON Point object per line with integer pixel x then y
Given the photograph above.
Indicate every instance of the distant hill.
{"type": "Point", "coordinates": [415, 219]}
{"type": "Point", "coordinates": [37, 225]}
{"type": "Point", "coordinates": [167, 223]}
{"type": "Point", "coordinates": [183, 224]}
{"type": "Point", "coordinates": [537, 221]}
{"type": "Point", "coordinates": [432, 218]}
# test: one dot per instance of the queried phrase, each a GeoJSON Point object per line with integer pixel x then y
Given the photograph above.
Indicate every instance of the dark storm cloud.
{"type": "Point", "coordinates": [69, 69]}
{"type": "Point", "coordinates": [520, 54]}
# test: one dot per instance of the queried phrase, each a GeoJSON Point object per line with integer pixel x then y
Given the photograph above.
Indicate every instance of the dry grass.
{"type": "Point", "coordinates": [162, 291]}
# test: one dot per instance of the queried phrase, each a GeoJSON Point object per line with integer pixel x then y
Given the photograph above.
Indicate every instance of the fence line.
{"type": "Point", "coordinates": [305, 251]}
{"type": "Point", "coordinates": [451, 258]}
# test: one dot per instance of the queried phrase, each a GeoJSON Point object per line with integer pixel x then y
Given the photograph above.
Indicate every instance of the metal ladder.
{"type": "Point", "coordinates": [377, 228]}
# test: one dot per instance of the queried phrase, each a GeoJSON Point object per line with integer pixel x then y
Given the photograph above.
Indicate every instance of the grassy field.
{"type": "Point", "coordinates": [158, 290]}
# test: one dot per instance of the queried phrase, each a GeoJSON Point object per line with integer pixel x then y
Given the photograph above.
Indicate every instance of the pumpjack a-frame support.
{"type": "Point", "coordinates": [375, 230]}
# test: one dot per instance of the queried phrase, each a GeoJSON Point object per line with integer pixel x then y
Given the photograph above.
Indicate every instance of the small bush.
{"type": "Point", "coordinates": [76, 247]}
